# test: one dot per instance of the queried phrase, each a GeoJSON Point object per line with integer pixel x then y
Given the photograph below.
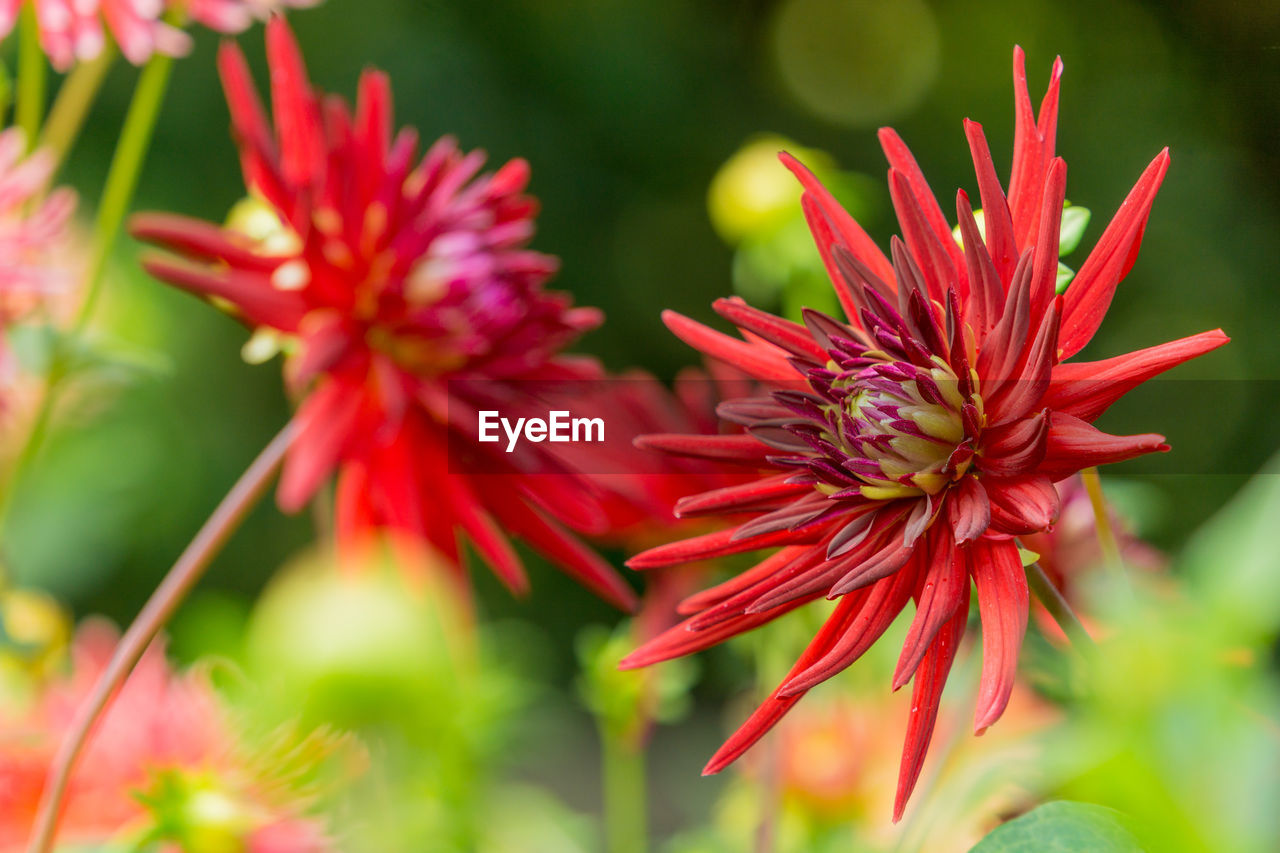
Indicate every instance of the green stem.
{"type": "Point", "coordinates": [155, 613]}
{"type": "Point", "coordinates": [33, 73]}
{"type": "Point", "coordinates": [1059, 609]}
{"type": "Point", "coordinates": [625, 800]}
{"type": "Point", "coordinates": [1102, 520]}
{"type": "Point", "coordinates": [75, 97]}
{"type": "Point", "coordinates": [30, 449]}
{"type": "Point", "coordinates": [122, 179]}
{"type": "Point", "coordinates": [6, 95]}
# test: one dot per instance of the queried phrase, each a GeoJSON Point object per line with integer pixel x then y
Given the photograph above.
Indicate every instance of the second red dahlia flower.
{"type": "Point", "coordinates": [911, 443]}
{"type": "Point", "coordinates": [404, 291]}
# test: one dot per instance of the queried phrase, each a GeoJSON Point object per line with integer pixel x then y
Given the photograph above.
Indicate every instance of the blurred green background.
{"type": "Point", "coordinates": [626, 110]}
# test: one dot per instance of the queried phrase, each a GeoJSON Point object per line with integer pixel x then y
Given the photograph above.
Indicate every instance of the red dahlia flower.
{"type": "Point", "coordinates": [913, 442]}
{"type": "Point", "coordinates": [410, 302]}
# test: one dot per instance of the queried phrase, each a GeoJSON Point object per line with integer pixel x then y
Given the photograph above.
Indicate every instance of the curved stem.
{"type": "Point", "coordinates": [1058, 608]}
{"type": "Point", "coordinates": [33, 73]}
{"type": "Point", "coordinates": [122, 179]}
{"type": "Point", "coordinates": [159, 607]}
{"type": "Point", "coordinates": [75, 97]}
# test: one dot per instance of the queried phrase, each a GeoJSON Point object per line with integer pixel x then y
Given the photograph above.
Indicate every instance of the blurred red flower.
{"type": "Point", "coordinates": [411, 302]}
{"type": "Point", "coordinates": [646, 488]}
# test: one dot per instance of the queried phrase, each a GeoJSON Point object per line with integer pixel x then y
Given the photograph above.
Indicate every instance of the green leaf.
{"type": "Point", "coordinates": [1062, 827]}
{"type": "Point", "coordinates": [1233, 561]}
{"type": "Point", "coordinates": [1065, 275]}
{"type": "Point", "coordinates": [1074, 221]}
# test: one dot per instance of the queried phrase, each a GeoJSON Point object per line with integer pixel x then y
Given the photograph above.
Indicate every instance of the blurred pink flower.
{"type": "Point", "coordinates": [72, 30]}
{"type": "Point", "coordinates": [157, 719]}
{"type": "Point", "coordinates": [34, 236]}
{"type": "Point", "coordinates": [288, 836]}
{"type": "Point", "coordinates": [160, 721]}
{"type": "Point", "coordinates": [232, 16]}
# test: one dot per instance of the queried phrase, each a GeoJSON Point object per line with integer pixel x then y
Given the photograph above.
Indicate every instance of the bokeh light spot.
{"type": "Point", "coordinates": [855, 62]}
{"type": "Point", "coordinates": [752, 191]}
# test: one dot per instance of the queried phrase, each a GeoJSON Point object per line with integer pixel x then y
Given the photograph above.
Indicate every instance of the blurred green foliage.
{"type": "Point", "coordinates": [358, 647]}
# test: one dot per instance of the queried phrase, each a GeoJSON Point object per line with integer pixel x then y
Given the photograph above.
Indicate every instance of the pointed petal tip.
{"type": "Point", "coordinates": [728, 753]}
{"type": "Point", "coordinates": [794, 165]}
{"type": "Point", "coordinates": [632, 661]}
{"type": "Point", "coordinates": [140, 223]}
{"type": "Point", "coordinates": [622, 597]}
{"type": "Point", "coordinates": [229, 50]}
{"type": "Point", "coordinates": [275, 23]}
{"type": "Point", "coordinates": [905, 668]}
{"type": "Point", "coordinates": [789, 689]}
{"type": "Point", "coordinates": [289, 501]}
